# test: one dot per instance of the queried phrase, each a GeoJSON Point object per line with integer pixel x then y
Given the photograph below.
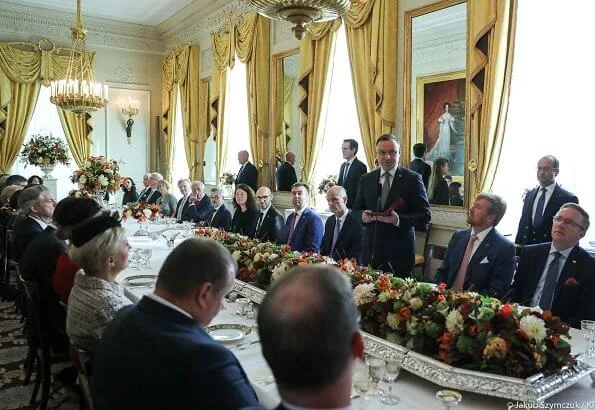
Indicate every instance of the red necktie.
{"type": "Point", "coordinates": [292, 228]}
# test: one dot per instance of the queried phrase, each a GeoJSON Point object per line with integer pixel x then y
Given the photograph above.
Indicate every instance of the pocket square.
{"type": "Point", "coordinates": [484, 260]}
{"type": "Point", "coordinates": [570, 282]}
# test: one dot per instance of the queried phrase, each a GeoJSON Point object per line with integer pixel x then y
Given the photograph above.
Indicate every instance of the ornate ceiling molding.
{"type": "Point", "coordinates": [24, 21]}
{"type": "Point", "coordinates": [440, 48]}
{"type": "Point", "coordinates": [453, 217]}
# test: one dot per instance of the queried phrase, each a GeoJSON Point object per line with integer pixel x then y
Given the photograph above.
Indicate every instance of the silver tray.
{"type": "Point", "coordinates": [532, 389]}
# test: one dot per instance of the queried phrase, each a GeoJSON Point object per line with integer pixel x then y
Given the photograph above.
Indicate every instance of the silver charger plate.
{"type": "Point", "coordinates": [229, 332]}
{"type": "Point", "coordinates": [138, 281]}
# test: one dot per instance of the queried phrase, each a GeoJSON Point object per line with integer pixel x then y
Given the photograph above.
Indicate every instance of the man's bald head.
{"type": "Point", "coordinates": [264, 197]}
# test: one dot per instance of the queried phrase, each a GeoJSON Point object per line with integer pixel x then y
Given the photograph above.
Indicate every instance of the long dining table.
{"type": "Point", "coordinates": [413, 391]}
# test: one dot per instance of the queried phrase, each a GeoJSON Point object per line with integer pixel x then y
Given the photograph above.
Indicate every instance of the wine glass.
{"type": "Point", "coordinates": [145, 256]}
{"type": "Point", "coordinates": [135, 258]}
{"type": "Point", "coordinates": [377, 369]}
{"type": "Point", "coordinates": [588, 328]}
{"type": "Point", "coordinates": [449, 398]}
{"type": "Point", "coordinates": [393, 368]}
{"type": "Point", "coordinates": [242, 302]}
{"type": "Point", "coordinates": [361, 381]}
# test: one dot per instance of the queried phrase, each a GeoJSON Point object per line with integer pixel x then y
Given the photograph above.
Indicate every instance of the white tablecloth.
{"type": "Point", "coordinates": [415, 393]}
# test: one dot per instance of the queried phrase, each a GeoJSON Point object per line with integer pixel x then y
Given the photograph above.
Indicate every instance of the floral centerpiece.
{"type": "Point", "coordinates": [227, 178]}
{"type": "Point", "coordinates": [45, 151]}
{"type": "Point", "coordinates": [327, 183]}
{"type": "Point", "coordinates": [98, 176]}
{"type": "Point", "coordinates": [140, 211]}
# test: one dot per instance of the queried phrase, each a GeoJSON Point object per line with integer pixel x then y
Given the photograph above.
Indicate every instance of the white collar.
{"type": "Point", "coordinates": [350, 161]}
{"type": "Point", "coordinates": [216, 209]}
{"type": "Point", "coordinates": [294, 407]}
{"type": "Point", "coordinates": [167, 303]}
{"type": "Point", "coordinates": [549, 188]}
{"type": "Point", "coordinates": [564, 252]}
{"type": "Point", "coordinates": [392, 171]}
{"type": "Point", "coordinates": [342, 218]}
{"type": "Point", "coordinates": [481, 235]}
{"type": "Point", "coordinates": [300, 212]}
{"type": "Point", "coordinates": [266, 210]}
{"type": "Point", "coordinates": [40, 222]}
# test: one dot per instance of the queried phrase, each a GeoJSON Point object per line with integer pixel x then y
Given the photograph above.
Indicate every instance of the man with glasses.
{"type": "Point", "coordinates": [270, 221]}
{"type": "Point", "coordinates": [559, 276]}
{"type": "Point", "coordinates": [542, 203]}
{"type": "Point", "coordinates": [220, 216]}
{"type": "Point", "coordinates": [391, 200]}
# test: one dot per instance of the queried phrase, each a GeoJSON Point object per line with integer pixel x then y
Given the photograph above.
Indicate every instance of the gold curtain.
{"type": "Point", "coordinates": [222, 46]}
{"type": "Point", "coordinates": [492, 26]}
{"type": "Point", "coordinates": [288, 120]}
{"type": "Point", "coordinates": [316, 50]}
{"type": "Point", "coordinates": [78, 130]}
{"type": "Point", "coordinates": [190, 96]}
{"type": "Point", "coordinates": [371, 31]}
{"type": "Point", "coordinates": [204, 127]}
{"type": "Point", "coordinates": [278, 115]}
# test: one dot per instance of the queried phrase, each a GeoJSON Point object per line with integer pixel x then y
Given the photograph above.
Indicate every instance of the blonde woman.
{"type": "Point", "coordinates": [167, 202]}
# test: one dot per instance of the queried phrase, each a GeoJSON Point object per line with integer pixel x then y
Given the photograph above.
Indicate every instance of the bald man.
{"type": "Point", "coordinates": [248, 172]}
{"type": "Point", "coordinates": [270, 221]}
{"type": "Point", "coordinates": [286, 176]}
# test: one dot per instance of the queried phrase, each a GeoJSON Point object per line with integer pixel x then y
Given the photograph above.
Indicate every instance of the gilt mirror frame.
{"type": "Point", "coordinates": [454, 216]}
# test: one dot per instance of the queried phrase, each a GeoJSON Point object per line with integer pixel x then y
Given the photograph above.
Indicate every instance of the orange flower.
{"type": "Point", "coordinates": [506, 310]}
{"type": "Point", "coordinates": [555, 340]}
{"type": "Point", "coordinates": [404, 313]}
{"type": "Point", "coordinates": [441, 298]}
{"type": "Point", "coordinates": [547, 315]}
{"type": "Point", "coordinates": [384, 283]}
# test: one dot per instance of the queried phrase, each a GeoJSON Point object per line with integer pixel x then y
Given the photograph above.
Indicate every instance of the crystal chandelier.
{"type": "Point", "coordinates": [301, 12]}
{"type": "Point", "coordinates": [78, 92]}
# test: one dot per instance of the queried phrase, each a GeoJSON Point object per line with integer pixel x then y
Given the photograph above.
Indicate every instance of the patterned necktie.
{"type": "Point", "coordinates": [551, 280]}
{"type": "Point", "coordinates": [460, 278]}
{"type": "Point", "coordinates": [292, 228]}
{"type": "Point", "coordinates": [385, 189]}
{"type": "Point", "coordinates": [539, 209]}
{"type": "Point", "coordinates": [335, 235]}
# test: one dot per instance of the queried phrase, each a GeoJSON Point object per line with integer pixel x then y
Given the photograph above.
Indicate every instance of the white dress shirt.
{"type": "Point", "coordinates": [548, 194]}
{"type": "Point", "coordinates": [39, 221]}
{"type": "Point", "coordinates": [167, 303]}
{"type": "Point", "coordinates": [480, 237]}
{"type": "Point", "coordinates": [550, 258]}
{"type": "Point", "coordinates": [391, 172]}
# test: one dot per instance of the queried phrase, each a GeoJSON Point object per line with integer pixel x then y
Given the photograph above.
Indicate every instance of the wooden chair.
{"type": "Point", "coordinates": [432, 252]}
{"type": "Point", "coordinates": [85, 360]}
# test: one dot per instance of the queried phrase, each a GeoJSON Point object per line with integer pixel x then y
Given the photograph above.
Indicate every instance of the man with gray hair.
{"type": "Point", "coordinates": [342, 232]}
{"type": "Point", "coordinates": [199, 206]}
{"type": "Point", "coordinates": [146, 184]}
{"type": "Point", "coordinates": [309, 330]}
{"type": "Point", "coordinates": [157, 354]}
{"type": "Point", "coordinates": [219, 217]}
{"type": "Point", "coordinates": [247, 173]}
{"type": "Point", "coordinates": [184, 185]}
{"type": "Point", "coordinates": [559, 275]}
{"type": "Point", "coordinates": [37, 205]}
{"type": "Point", "coordinates": [152, 194]}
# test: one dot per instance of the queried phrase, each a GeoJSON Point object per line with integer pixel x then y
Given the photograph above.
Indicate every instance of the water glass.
{"type": "Point", "coordinates": [377, 370]}
{"type": "Point", "coordinates": [361, 381]}
{"type": "Point", "coordinates": [145, 256]}
{"type": "Point", "coordinates": [449, 398]}
{"type": "Point", "coordinates": [588, 328]}
{"type": "Point", "coordinates": [393, 368]}
{"type": "Point", "coordinates": [243, 302]}
{"type": "Point", "coordinates": [134, 258]}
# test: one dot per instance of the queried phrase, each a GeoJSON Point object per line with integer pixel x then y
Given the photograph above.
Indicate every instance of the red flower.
{"type": "Point", "coordinates": [570, 282]}
{"type": "Point", "coordinates": [441, 298]}
{"type": "Point", "coordinates": [404, 313]}
{"type": "Point", "coordinates": [442, 287]}
{"type": "Point", "coordinates": [506, 310]}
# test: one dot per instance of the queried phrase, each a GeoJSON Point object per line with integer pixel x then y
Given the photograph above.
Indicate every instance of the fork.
{"type": "Point", "coordinates": [244, 346]}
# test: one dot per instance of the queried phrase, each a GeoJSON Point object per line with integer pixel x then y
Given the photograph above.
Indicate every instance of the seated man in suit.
{"type": "Point", "coordinates": [286, 176]}
{"type": "Point", "coordinates": [248, 172]}
{"type": "Point", "coordinates": [342, 232]}
{"type": "Point", "coordinates": [219, 217]}
{"type": "Point", "coordinates": [303, 229]}
{"type": "Point", "coordinates": [157, 354]}
{"type": "Point", "coordinates": [351, 170]}
{"type": "Point", "coordinates": [146, 185]}
{"type": "Point", "coordinates": [185, 190]}
{"type": "Point", "coordinates": [479, 258]}
{"type": "Point", "coordinates": [37, 204]}
{"type": "Point", "coordinates": [199, 206]}
{"type": "Point", "coordinates": [152, 194]}
{"type": "Point", "coordinates": [542, 203]}
{"type": "Point", "coordinates": [559, 276]}
{"type": "Point", "coordinates": [420, 165]}
{"type": "Point", "coordinates": [309, 330]}
{"type": "Point", "coordinates": [270, 222]}
{"type": "Point", "coordinates": [391, 201]}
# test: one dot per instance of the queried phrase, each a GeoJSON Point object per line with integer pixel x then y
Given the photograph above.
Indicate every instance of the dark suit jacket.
{"type": "Point", "coordinates": [492, 278]}
{"type": "Point", "coordinates": [184, 208]}
{"type": "Point", "coordinates": [571, 302]}
{"type": "Point", "coordinates": [308, 232]}
{"type": "Point", "coordinates": [150, 198]}
{"type": "Point", "coordinates": [423, 169]}
{"type": "Point", "coordinates": [271, 226]}
{"type": "Point", "coordinates": [386, 246]}
{"type": "Point", "coordinates": [198, 212]}
{"type": "Point", "coordinates": [527, 234]}
{"type": "Point", "coordinates": [349, 243]}
{"type": "Point", "coordinates": [153, 357]}
{"type": "Point", "coordinates": [440, 194]}
{"type": "Point", "coordinates": [248, 176]}
{"type": "Point", "coordinates": [222, 218]}
{"type": "Point", "coordinates": [351, 183]}
{"type": "Point", "coordinates": [24, 231]}
{"type": "Point", "coordinates": [285, 177]}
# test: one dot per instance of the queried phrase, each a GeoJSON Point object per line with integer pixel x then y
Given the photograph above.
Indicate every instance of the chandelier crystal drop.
{"type": "Point", "coordinates": [78, 92]}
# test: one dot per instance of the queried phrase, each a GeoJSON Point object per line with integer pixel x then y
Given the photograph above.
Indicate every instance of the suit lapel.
{"type": "Point", "coordinates": [548, 207]}
{"type": "Point", "coordinates": [344, 229]}
{"type": "Point", "coordinates": [530, 198]}
{"type": "Point", "coordinates": [568, 270]}
{"type": "Point", "coordinates": [395, 187]}
{"type": "Point", "coordinates": [341, 171]}
{"type": "Point", "coordinates": [483, 249]}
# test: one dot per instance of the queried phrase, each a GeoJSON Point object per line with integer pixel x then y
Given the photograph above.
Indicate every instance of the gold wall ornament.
{"type": "Point", "coordinates": [78, 92]}
{"type": "Point", "coordinates": [301, 12]}
{"type": "Point", "coordinates": [130, 109]}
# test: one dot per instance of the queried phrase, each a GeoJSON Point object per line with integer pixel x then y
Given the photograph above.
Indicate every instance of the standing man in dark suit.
{"type": "Point", "coordinates": [185, 189]}
{"type": "Point", "coordinates": [157, 354]}
{"type": "Point", "coordinates": [152, 194]}
{"type": "Point", "coordinates": [351, 170]}
{"type": "Point", "coordinates": [420, 165]}
{"type": "Point", "coordinates": [303, 229]}
{"type": "Point", "coordinates": [542, 203]}
{"type": "Point", "coordinates": [559, 276]}
{"type": "Point", "coordinates": [219, 217]}
{"type": "Point", "coordinates": [200, 205]}
{"type": "Point", "coordinates": [391, 201]}
{"type": "Point", "coordinates": [342, 232]}
{"type": "Point", "coordinates": [286, 176]}
{"type": "Point", "coordinates": [270, 222]}
{"type": "Point", "coordinates": [480, 258]}
{"type": "Point", "coordinates": [308, 326]}
{"type": "Point", "coordinates": [248, 173]}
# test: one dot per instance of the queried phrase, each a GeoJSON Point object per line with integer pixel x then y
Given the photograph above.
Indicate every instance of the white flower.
{"type": "Point", "coordinates": [39, 160]}
{"type": "Point", "coordinates": [416, 303]}
{"type": "Point", "coordinates": [236, 255]}
{"type": "Point", "coordinates": [454, 322]}
{"type": "Point", "coordinates": [102, 179]}
{"type": "Point", "coordinates": [383, 297]}
{"type": "Point", "coordinates": [77, 194]}
{"type": "Point", "coordinates": [278, 271]}
{"type": "Point", "coordinates": [272, 256]}
{"type": "Point", "coordinates": [392, 321]}
{"type": "Point", "coordinates": [108, 171]}
{"type": "Point", "coordinates": [147, 212]}
{"type": "Point", "coordinates": [257, 257]}
{"type": "Point", "coordinates": [412, 326]}
{"type": "Point", "coordinates": [87, 164]}
{"type": "Point", "coordinates": [363, 293]}
{"type": "Point", "coordinates": [534, 327]}
{"type": "Point", "coordinates": [82, 180]}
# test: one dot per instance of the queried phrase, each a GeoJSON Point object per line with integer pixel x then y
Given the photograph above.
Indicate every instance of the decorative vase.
{"type": "Point", "coordinates": [143, 230]}
{"type": "Point", "coordinates": [47, 171]}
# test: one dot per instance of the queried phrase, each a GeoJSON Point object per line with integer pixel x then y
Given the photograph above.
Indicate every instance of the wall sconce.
{"type": "Point", "coordinates": [130, 109]}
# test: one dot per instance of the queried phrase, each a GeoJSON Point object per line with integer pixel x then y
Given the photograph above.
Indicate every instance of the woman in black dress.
{"type": "Point", "coordinates": [246, 215]}
{"type": "Point", "coordinates": [130, 194]}
{"type": "Point", "coordinates": [438, 185]}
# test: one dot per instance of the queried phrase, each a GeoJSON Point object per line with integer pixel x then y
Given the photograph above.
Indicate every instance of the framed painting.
{"type": "Point", "coordinates": [441, 118]}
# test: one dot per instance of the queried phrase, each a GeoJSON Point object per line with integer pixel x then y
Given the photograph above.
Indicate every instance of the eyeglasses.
{"type": "Point", "coordinates": [565, 221]}
{"type": "Point", "coordinates": [546, 169]}
{"type": "Point", "coordinates": [262, 198]}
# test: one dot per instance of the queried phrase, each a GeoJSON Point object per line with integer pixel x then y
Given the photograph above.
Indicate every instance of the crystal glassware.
{"type": "Point", "coordinates": [134, 258]}
{"type": "Point", "coordinates": [145, 256]}
{"type": "Point", "coordinates": [449, 398]}
{"type": "Point", "coordinates": [393, 368]}
{"type": "Point", "coordinates": [243, 302]}
{"type": "Point", "coordinates": [361, 381]}
{"type": "Point", "coordinates": [588, 329]}
{"type": "Point", "coordinates": [377, 370]}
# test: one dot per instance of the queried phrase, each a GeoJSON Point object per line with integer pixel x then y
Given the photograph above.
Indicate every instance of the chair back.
{"type": "Point", "coordinates": [85, 368]}
{"type": "Point", "coordinates": [32, 307]}
{"type": "Point", "coordinates": [432, 252]}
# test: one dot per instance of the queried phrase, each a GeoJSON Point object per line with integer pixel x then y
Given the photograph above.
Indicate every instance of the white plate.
{"type": "Point", "coordinates": [138, 281]}
{"type": "Point", "coordinates": [228, 333]}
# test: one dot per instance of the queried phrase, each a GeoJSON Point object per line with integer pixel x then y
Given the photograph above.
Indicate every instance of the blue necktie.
{"type": "Point", "coordinates": [539, 210]}
{"type": "Point", "coordinates": [551, 279]}
{"type": "Point", "coordinates": [335, 235]}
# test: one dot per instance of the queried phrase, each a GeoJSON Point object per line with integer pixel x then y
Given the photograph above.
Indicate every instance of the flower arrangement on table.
{"type": "Point", "coordinates": [227, 178]}
{"type": "Point", "coordinates": [327, 183]}
{"type": "Point", "coordinates": [44, 151]}
{"type": "Point", "coordinates": [140, 211]}
{"type": "Point", "coordinates": [98, 175]}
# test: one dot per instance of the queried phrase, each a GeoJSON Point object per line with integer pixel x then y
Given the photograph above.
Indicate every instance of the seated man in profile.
{"type": "Point", "coordinates": [157, 354]}
{"type": "Point", "coordinates": [303, 229]}
{"type": "Point", "coordinates": [309, 330]}
{"type": "Point", "coordinates": [479, 258]}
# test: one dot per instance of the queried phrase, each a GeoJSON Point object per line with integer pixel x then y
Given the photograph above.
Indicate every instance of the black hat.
{"type": "Point", "coordinates": [90, 228]}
